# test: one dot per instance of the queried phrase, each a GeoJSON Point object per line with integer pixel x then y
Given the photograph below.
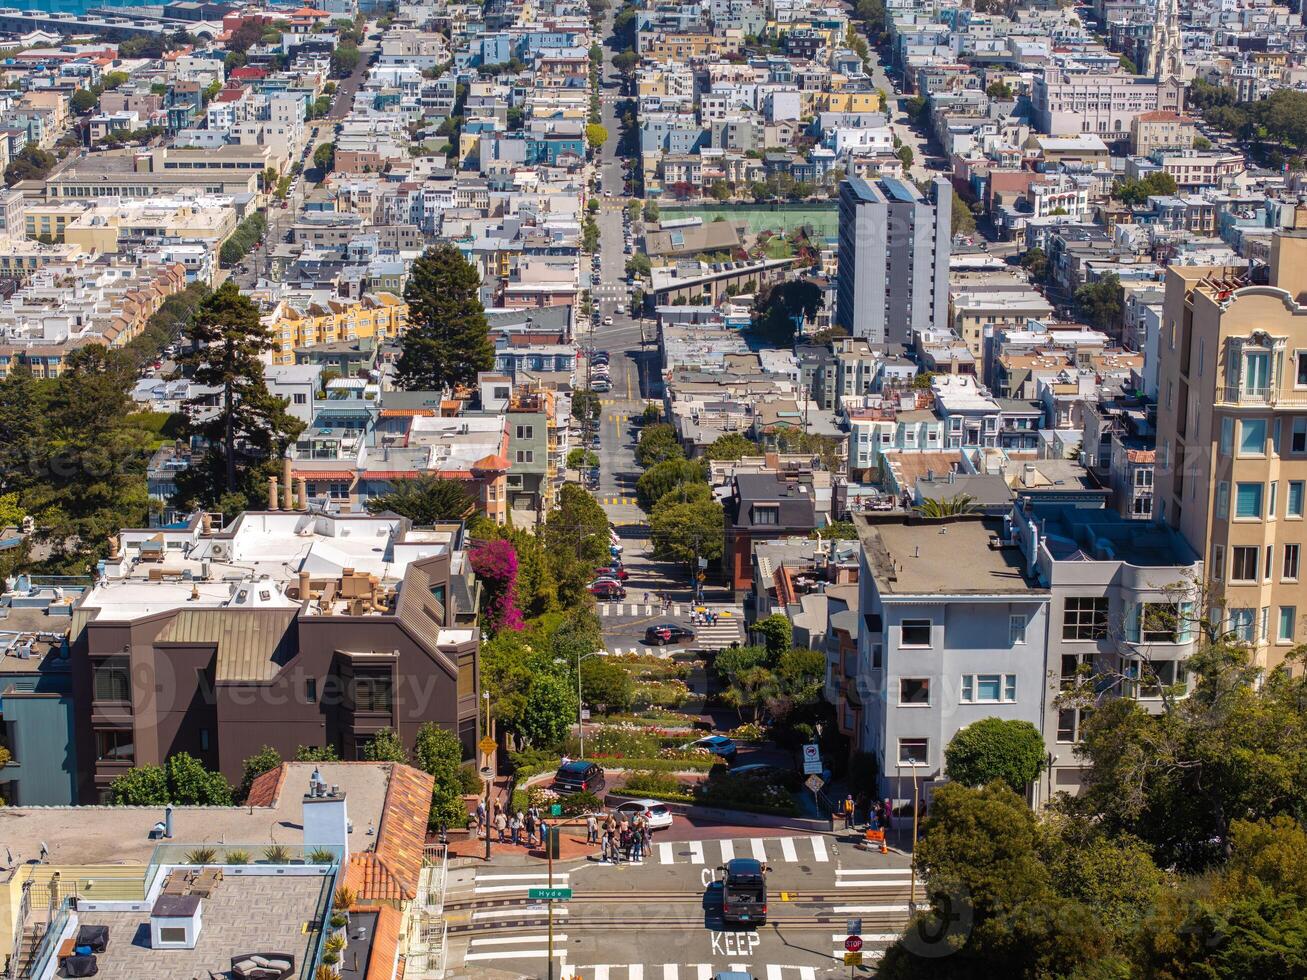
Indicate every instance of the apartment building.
{"type": "Point", "coordinates": [893, 258]}
{"type": "Point", "coordinates": [307, 320]}
{"type": "Point", "coordinates": [283, 628]}
{"type": "Point", "coordinates": [1068, 100]}
{"type": "Point", "coordinates": [1232, 435]}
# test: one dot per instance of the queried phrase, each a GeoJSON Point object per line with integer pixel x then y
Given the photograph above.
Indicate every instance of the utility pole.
{"type": "Point", "coordinates": [490, 779]}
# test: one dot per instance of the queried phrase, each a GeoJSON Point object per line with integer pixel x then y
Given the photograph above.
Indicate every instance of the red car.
{"type": "Point", "coordinates": [607, 589]}
{"type": "Point", "coordinates": [615, 571]}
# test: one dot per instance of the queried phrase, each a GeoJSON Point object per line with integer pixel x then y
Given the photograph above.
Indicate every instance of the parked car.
{"type": "Point", "coordinates": [718, 745]}
{"type": "Point", "coordinates": [607, 589]}
{"type": "Point", "coordinates": [579, 776]}
{"type": "Point", "coordinates": [601, 386]}
{"type": "Point", "coordinates": [655, 814]}
{"type": "Point", "coordinates": [667, 633]}
{"type": "Point", "coordinates": [613, 571]}
{"type": "Point", "coordinates": [608, 321]}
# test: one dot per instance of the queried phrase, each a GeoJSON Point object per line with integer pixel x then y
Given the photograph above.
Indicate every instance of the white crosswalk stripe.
{"type": "Point", "coordinates": [771, 850]}
{"type": "Point", "coordinates": [872, 877]}
{"type": "Point", "coordinates": [686, 971]}
{"type": "Point", "coordinates": [496, 948]}
{"type": "Point", "coordinates": [519, 882]}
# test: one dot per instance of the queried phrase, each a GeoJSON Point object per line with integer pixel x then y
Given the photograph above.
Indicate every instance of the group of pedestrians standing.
{"type": "Point", "coordinates": [619, 839]}
{"type": "Point", "coordinates": [526, 828]}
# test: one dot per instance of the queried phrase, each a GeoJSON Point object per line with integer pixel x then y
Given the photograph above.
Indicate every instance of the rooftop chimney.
{"type": "Point", "coordinates": [326, 820]}
{"type": "Point", "coordinates": [303, 489]}
{"type": "Point", "coordinates": [272, 493]}
{"type": "Point", "coordinates": [287, 487]}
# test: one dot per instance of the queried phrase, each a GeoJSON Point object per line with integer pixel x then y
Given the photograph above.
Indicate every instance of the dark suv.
{"type": "Point", "coordinates": [744, 891]}
{"type": "Point", "coordinates": [579, 776]}
{"type": "Point", "coordinates": [667, 633]}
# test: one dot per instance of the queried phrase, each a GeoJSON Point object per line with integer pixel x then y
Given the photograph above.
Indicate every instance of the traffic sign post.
{"type": "Point", "coordinates": [549, 894]}
{"type": "Point", "coordinates": [811, 759]}
{"type": "Point", "coordinates": [853, 951]}
{"type": "Point", "coordinates": [486, 745]}
{"type": "Point", "coordinates": [853, 944]}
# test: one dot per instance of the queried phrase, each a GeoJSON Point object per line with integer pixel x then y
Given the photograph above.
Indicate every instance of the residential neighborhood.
{"type": "Point", "coordinates": [632, 490]}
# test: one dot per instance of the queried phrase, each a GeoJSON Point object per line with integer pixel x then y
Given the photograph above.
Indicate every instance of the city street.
{"type": "Point", "coordinates": [668, 908]}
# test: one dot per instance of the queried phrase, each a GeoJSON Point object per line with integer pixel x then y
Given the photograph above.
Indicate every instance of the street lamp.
{"type": "Point", "coordinates": [580, 721]}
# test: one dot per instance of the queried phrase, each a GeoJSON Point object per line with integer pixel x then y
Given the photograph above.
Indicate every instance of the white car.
{"type": "Point", "coordinates": [608, 321]}
{"type": "Point", "coordinates": [655, 814]}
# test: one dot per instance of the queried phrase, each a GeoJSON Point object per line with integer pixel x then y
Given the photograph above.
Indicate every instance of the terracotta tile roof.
{"type": "Point", "coordinates": [265, 789]}
{"type": "Point", "coordinates": [389, 873]}
{"type": "Point", "coordinates": [383, 962]}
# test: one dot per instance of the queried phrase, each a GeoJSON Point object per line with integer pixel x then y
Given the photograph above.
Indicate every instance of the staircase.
{"type": "Point", "coordinates": [20, 962]}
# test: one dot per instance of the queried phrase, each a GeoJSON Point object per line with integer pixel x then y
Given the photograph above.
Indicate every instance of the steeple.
{"type": "Point", "coordinates": [1166, 50]}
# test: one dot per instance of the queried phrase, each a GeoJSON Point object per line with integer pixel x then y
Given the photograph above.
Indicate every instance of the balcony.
{"type": "Point", "coordinates": [1241, 397]}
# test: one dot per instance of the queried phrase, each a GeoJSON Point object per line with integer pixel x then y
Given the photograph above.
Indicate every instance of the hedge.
{"type": "Point", "coordinates": [525, 768]}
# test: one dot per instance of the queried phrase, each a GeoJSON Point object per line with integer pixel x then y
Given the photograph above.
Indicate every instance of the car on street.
{"type": "Point", "coordinates": [655, 814]}
{"type": "Point", "coordinates": [607, 589]}
{"type": "Point", "coordinates": [608, 321]}
{"type": "Point", "coordinates": [613, 571]}
{"type": "Point", "coordinates": [579, 776]}
{"type": "Point", "coordinates": [663, 633]}
{"type": "Point", "coordinates": [601, 385]}
{"type": "Point", "coordinates": [718, 745]}
{"type": "Point", "coordinates": [744, 891]}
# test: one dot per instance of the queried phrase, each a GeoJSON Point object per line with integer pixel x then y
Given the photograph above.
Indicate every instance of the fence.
{"type": "Point", "coordinates": [428, 950]}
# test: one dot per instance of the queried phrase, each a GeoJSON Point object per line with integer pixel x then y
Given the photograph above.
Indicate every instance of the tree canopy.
{"type": "Point", "coordinates": [992, 749]}
{"type": "Point", "coordinates": [426, 499]}
{"type": "Point", "coordinates": [447, 341]}
{"type": "Point", "coordinates": [658, 444]}
{"type": "Point", "coordinates": [1137, 192]}
{"type": "Point", "coordinates": [732, 445]}
{"type": "Point", "coordinates": [778, 308]}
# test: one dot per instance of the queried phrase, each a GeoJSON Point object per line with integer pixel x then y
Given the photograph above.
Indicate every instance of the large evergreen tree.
{"type": "Point", "coordinates": [447, 341]}
{"type": "Point", "coordinates": [251, 429]}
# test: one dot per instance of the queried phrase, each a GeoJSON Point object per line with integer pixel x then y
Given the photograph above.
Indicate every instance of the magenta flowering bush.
{"type": "Point", "coordinates": [495, 563]}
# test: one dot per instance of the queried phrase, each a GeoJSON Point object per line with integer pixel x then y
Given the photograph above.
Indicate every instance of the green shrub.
{"type": "Point", "coordinates": [237, 857]}
{"type": "Point", "coordinates": [648, 781]}
{"type": "Point", "coordinates": [320, 855]}
{"type": "Point", "coordinates": [469, 781]}
{"type": "Point", "coordinates": [276, 854]}
{"type": "Point", "coordinates": [201, 855]}
{"type": "Point", "coordinates": [338, 921]}
{"type": "Point", "coordinates": [576, 804]}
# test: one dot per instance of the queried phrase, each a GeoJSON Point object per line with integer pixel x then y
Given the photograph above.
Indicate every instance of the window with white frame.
{"type": "Point", "coordinates": [1289, 569]}
{"type": "Point", "coordinates": [1285, 630]}
{"type": "Point", "coordinates": [989, 688]}
{"type": "Point", "coordinates": [914, 633]}
{"type": "Point", "coordinates": [1084, 618]}
{"type": "Point", "coordinates": [914, 751]}
{"type": "Point", "coordinates": [1016, 629]}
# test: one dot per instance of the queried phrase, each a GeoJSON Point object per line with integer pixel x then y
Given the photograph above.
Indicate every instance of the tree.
{"type": "Point", "coordinates": [385, 746]}
{"type": "Point", "coordinates": [250, 430]}
{"type": "Point", "coordinates": [495, 563]}
{"type": "Point", "coordinates": [182, 780]}
{"type": "Point", "coordinates": [1035, 261]}
{"type": "Point", "coordinates": [324, 157]}
{"type": "Point", "coordinates": [835, 531]}
{"type": "Point", "coordinates": [995, 749]}
{"type": "Point", "coordinates": [447, 341]}
{"type": "Point", "coordinates": [904, 153]}
{"type": "Point", "coordinates": [777, 635]}
{"type": "Point", "coordinates": [576, 540]}
{"type": "Point", "coordinates": [264, 760]}
{"type": "Point", "coordinates": [658, 443]}
{"type": "Point", "coordinates": [437, 751]}
{"type": "Point", "coordinates": [780, 310]}
{"type": "Point", "coordinates": [732, 662]}
{"type": "Point", "coordinates": [586, 406]}
{"type": "Point", "coordinates": [651, 211]}
{"type": "Point", "coordinates": [344, 59]}
{"type": "Point", "coordinates": [936, 507]}
{"type": "Point", "coordinates": [31, 163]}
{"type": "Point", "coordinates": [606, 683]}
{"type": "Point", "coordinates": [316, 753]}
{"type": "Point", "coordinates": [83, 101]}
{"type": "Point", "coordinates": [662, 478]}
{"type": "Point", "coordinates": [961, 220]}
{"type": "Point", "coordinates": [549, 711]}
{"type": "Point", "coordinates": [1102, 301]}
{"type": "Point", "coordinates": [596, 135]}
{"type": "Point", "coordinates": [426, 499]}
{"type": "Point", "coordinates": [731, 445]}
{"type": "Point", "coordinates": [999, 90]}
{"type": "Point", "coordinates": [1137, 192]}
{"type": "Point", "coordinates": [686, 526]}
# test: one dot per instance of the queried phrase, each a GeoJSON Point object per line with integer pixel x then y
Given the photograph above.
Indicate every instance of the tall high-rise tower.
{"type": "Point", "coordinates": [1166, 50]}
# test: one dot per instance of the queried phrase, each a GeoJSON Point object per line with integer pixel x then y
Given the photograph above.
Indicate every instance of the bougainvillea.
{"type": "Point", "coordinates": [495, 563]}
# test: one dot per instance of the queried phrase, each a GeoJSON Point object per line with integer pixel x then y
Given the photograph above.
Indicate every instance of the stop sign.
{"type": "Point", "coordinates": [853, 944]}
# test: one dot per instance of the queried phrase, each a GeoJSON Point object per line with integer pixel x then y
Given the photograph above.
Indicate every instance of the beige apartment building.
{"type": "Point", "coordinates": [1232, 436]}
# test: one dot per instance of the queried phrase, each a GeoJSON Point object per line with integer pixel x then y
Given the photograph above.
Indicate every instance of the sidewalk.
{"type": "Point", "coordinates": [572, 847]}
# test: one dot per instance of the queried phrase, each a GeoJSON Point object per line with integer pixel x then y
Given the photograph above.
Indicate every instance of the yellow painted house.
{"type": "Point", "coordinates": [375, 315]}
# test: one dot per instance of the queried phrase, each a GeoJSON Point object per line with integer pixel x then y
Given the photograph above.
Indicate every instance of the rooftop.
{"type": "Point", "coordinates": [941, 557]}
{"type": "Point", "coordinates": [235, 920]}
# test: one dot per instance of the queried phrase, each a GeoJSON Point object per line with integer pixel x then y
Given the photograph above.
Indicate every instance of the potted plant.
{"type": "Point", "coordinates": [201, 855]}
{"type": "Point", "coordinates": [338, 920]}
{"type": "Point", "coordinates": [276, 854]}
{"type": "Point", "coordinates": [322, 855]}
{"type": "Point", "coordinates": [237, 857]}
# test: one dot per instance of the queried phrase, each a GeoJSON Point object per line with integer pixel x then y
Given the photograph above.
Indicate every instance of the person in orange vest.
{"type": "Point", "coordinates": [848, 812]}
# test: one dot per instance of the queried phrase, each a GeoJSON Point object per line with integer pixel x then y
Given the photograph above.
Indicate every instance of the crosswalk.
{"type": "Point", "coordinates": [687, 971]}
{"type": "Point", "coordinates": [619, 501]}
{"type": "Point", "coordinates": [768, 850]}
{"type": "Point", "coordinates": [500, 884]}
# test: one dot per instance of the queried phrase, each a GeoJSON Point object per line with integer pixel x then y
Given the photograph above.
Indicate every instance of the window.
{"type": "Point", "coordinates": [1084, 618]}
{"type": "Point", "coordinates": [1298, 435]}
{"type": "Point", "coordinates": [1143, 478]}
{"type": "Point", "coordinates": [913, 751]}
{"type": "Point", "coordinates": [204, 740]}
{"type": "Point", "coordinates": [1243, 564]}
{"type": "Point", "coordinates": [1241, 624]}
{"type": "Point", "coordinates": [1248, 500]}
{"type": "Point", "coordinates": [1223, 499]}
{"type": "Point", "coordinates": [766, 515]}
{"type": "Point", "coordinates": [1218, 562]}
{"type": "Point", "coordinates": [311, 690]}
{"type": "Point", "coordinates": [914, 690]}
{"type": "Point", "coordinates": [1147, 679]}
{"type": "Point", "coordinates": [1162, 622]}
{"type": "Point", "coordinates": [526, 456]}
{"type": "Point", "coordinates": [112, 679]}
{"type": "Point", "coordinates": [1301, 381]}
{"type": "Point", "coordinates": [373, 693]}
{"type": "Point", "coordinates": [1070, 723]}
{"type": "Point", "coordinates": [115, 745]}
{"type": "Point", "coordinates": [300, 398]}
{"type": "Point", "coordinates": [1257, 372]}
{"type": "Point", "coordinates": [1289, 572]}
{"type": "Point", "coordinates": [172, 934]}
{"type": "Point", "coordinates": [1016, 630]}
{"type": "Point", "coordinates": [1293, 499]}
{"type": "Point", "coordinates": [1272, 492]}
{"type": "Point", "coordinates": [988, 688]}
{"type": "Point", "coordinates": [1252, 437]}
{"type": "Point", "coordinates": [1285, 632]}
{"type": "Point", "coordinates": [526, 432]}
{"type": "Point", "coordinates": [914, 633]}
{"type": "Point", "coordinates": [1227, 435]}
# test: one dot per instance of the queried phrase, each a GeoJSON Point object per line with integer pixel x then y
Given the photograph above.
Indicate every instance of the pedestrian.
{"type": "Point", "coordinates": [637, 843]}
{"type": "Point", "coordinates": [481, 817]}
{"type": "Point", "coordinates": [544, 833]}
{"type": "Point", "coordinates": [501, 823]}
{"type": "Point", "coordinates": [646, 598]}
{"type": "Point", "coordinates": [591, 829]}
{"type": "Point", "coordinates": [515, 825]}
{"type": "Point", "coordinates": [648, 837]}
{"type": "Point", "coordinates": [626, 842]}
{"type": "Point", "coordinates": [530, 825]}
{"type": "Point", "coordinates": [848, 812]}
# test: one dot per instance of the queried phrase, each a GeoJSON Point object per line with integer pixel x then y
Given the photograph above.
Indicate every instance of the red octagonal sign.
{"type": "Point", "coordinates": [853, 944]}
